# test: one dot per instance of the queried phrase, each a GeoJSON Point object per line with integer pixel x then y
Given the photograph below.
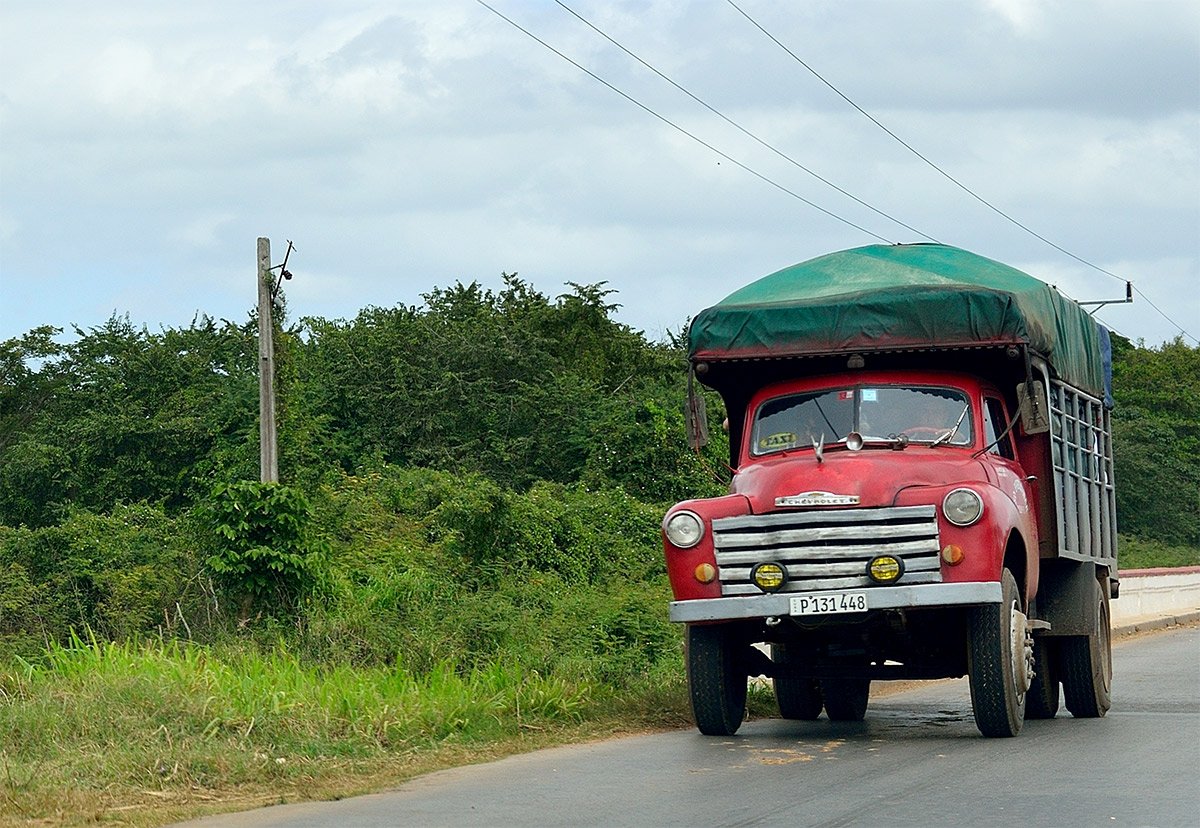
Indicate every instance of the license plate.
{"type": "Point", "coordinates": [829, 603]}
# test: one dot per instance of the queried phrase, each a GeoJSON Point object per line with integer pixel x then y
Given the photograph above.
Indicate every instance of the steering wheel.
{"type": "Point", "coordinates": [921, 432]}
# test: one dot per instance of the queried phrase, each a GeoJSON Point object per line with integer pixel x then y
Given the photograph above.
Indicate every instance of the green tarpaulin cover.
{"type": "Point", "coordinates": [903, 296]}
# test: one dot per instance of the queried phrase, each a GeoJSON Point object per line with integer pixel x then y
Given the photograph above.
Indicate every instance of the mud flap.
{"type": "Point", "coordinates": [1065, 591]}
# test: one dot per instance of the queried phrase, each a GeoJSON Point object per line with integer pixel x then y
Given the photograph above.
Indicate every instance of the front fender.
{"type": "Point", "coordinates": [985, 542]}
{"type": "Point", "coordinates": [682, 563]}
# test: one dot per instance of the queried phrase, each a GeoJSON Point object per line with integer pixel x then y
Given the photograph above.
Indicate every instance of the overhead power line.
{"type": "Point", "coordinates": [738, 126]}
{"type": "Point", "coordinates": [1163, 314]}
{"type": "Point", "coordinates": [683, 131]}
{"type": "Point", "coordinates": [947, 175]}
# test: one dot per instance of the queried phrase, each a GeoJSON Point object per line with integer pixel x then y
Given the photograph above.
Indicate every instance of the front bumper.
{"type": "Point", "coordinates": [878, 598]}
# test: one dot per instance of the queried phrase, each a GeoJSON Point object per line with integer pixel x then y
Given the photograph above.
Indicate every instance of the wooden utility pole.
{"type": "Point", "coordinates": [268, 448]}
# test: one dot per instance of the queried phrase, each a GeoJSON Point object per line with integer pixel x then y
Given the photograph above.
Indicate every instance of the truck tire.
{"type": "Point", "coordinates": [997, 697]}
{"type": "Point", "coordinates": [716, 679]}
{"type": "Point", "coordinates": [1085, 663]}
{"type": "Point", "coordinates": [799, 698]}
{"type": "Point", "coordinates": [1041, 702]}
{"type": "Point", "coordinates": [846, 698]}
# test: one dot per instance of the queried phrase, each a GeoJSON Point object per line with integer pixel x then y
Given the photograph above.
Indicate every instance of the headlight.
{"type": "Point", "coordinates": [684, 529]}
{"type": "Point", "coordinates": [962, 507]}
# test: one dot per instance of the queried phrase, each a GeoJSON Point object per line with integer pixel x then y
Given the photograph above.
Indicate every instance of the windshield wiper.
{"type": "Point", "coordinates": [954, 430]}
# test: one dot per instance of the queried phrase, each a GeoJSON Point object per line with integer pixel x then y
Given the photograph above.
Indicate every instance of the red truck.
{"type": "Point", "coordinates": [922, 488]}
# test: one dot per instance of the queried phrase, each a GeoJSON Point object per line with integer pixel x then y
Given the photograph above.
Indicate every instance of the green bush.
{"type": "Point", "coordinates": [432, 569]}
{"type": "Point", "coordinates": [132, 571]}
{"type": "Point", "coordinates": [264, 552]}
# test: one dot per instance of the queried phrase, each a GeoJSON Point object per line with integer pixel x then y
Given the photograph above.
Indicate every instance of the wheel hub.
{"type": "Point", "coordinates": [1022, 651]}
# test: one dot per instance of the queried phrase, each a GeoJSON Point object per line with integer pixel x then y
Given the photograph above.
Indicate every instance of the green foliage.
{"type": "Point", "coordinates": [263, 548]}
{"type": "Point", "coordinates": [1156, 438]}
{"type": "Point", "coordinates": [123, 415]}
{"type": "Point", "coordinates": [511, 385]}
{"type": "Point", "coordinates": [429, 568]}
{"type": "Point", "coordinates": [1138, 553]}
{"type": "Point", "coordinates": [120, 574]}
{"type": "Point", "coordinates": [181, 719]}
{"type": "Point", "coordinates": [35, 482]}
{"type": "Point", "coordinates": [642, 446]}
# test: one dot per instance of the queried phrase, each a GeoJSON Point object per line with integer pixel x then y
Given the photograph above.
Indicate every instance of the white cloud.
{"type": "Point", "coordinates": [404, 145]}
{"type": "Point", "coordinates": [1023, 15]}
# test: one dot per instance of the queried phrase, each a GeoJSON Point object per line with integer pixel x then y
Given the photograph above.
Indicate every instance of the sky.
{"type": "Point", "coordinates": [404, 146]}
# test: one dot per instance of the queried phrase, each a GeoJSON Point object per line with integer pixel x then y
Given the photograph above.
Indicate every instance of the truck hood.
{"type": "Point", "coordinates": [874, 476]}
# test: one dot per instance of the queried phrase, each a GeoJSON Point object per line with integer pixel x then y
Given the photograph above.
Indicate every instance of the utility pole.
{"type": "Point", "coordinates": [268, 453]}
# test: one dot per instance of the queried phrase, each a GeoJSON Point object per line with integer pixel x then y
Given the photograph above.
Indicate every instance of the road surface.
{"type": "Point", "coordinates": [916, 761]}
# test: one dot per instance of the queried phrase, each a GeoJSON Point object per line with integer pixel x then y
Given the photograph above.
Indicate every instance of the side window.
{"type": "Point", "coordinates": [994, 423]}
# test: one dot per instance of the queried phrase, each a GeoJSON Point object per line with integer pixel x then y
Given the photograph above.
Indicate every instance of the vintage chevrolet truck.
{"type": "Point", "coordinates": [922, 488]}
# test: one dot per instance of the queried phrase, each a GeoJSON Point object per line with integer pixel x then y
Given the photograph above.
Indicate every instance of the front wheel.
{"type": "Point", "coordinates": [1085, 662]}
{"type": "Point", "coordinates": [716, 679]}
{"type": "Point", "coordinates": [998, 656]}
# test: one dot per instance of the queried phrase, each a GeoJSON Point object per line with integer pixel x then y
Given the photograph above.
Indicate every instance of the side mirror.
{"type": "Point", "coordinates": [1034, 407]}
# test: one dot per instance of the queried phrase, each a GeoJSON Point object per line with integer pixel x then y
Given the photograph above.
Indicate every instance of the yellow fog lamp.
{"type": "Point", "coordinates": [885, 569]}
{"type": "Point", "coordinates": [769, 576]}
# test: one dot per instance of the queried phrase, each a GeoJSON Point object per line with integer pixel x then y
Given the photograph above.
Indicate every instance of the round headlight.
{"type": "Point", "coordinates": [684, 529]}
{"type": "Point", "coordinates": [962, 507]}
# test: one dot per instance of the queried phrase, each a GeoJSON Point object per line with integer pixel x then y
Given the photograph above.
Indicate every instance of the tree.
{"type": "Point", "coordinates": [1156, 440]}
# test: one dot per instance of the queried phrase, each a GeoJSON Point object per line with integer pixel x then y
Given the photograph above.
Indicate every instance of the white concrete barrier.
{"type": "Point", "coordinates": [1156, 593]}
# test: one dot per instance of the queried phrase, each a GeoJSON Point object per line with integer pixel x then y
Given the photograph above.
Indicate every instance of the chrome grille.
{"type": "Point", "coordinates": [828, 549]}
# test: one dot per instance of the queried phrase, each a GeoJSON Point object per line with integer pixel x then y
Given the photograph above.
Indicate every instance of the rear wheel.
{"type": "Point", "coordinates": [716, 679]}
{"type": "Point", "coordinates": [1041, 702]}
{"type": "Point", "coordinates": [998, 662]}
{"type": "Point", "coordinates": [846, 698]}
{"type": "Point", "coordinates": [1085, 662]}
{"type": "Point", "coordinates": [799, 698]}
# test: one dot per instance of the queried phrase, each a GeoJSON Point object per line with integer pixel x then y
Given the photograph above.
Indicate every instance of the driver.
{"type": "Point", "coordinates": [930, 414]}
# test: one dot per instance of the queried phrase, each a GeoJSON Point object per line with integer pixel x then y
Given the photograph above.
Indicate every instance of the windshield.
{"type": "Point", "coordinates": [890, 412]}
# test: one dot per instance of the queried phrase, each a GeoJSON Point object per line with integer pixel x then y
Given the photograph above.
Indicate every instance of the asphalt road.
{"type": "Point", "coordinates": [917, 760]}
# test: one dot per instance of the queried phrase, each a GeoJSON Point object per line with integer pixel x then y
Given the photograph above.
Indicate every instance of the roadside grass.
{"type": "Point", "coordinates": [144, 733]}
{"type": "Point", "coordinates": [1138, 553]}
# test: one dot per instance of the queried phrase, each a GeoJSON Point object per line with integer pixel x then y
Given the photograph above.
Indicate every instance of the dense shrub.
{"type": "Point", "coordinates": [134, 570]}
{"type": "Point", "coordinates": [1138, 553]}
{"type": "Point", "coordinates": [434, 569]}
{"type": "Point", "coordinates": [263, 551]}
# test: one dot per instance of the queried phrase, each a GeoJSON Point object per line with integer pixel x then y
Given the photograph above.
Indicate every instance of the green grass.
{"type": "Point", "coordinates": [149, 732]}
{"type": "Point", "coordinates": [1136, 553]}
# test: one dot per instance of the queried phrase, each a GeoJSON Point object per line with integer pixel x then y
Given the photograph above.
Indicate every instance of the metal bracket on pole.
{"type": "Point", "coordinates": [284, 273]}
{"type": "Point", "coordinates": [1098, 305]}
